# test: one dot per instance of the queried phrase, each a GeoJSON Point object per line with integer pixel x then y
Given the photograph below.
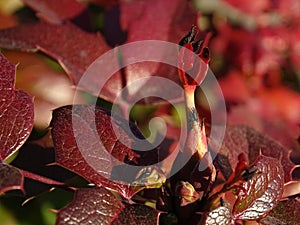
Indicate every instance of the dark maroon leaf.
{"type": "Point", "coordinates": [75, 49]}
{"type": "Point", "coordinates": [286, 212]}
{"type": "Point", "coordinates": [16, 111]}
{"type": "Point", "coordinates": [97, 145]}
{"type": "Point", "coordinates": [69, 45]}
{"type": "Point", "coordinates": [10, 178]}
{"type": "Point", "coordinates": [91, 206]}
{"type": "Point", "coordinates": [242, 139]}
{"type": "Point", "coordinates": [72, 47]}
{"type": "Point", "coordinates": [137, 214]}
{"type": "Point", "coordinates": [260, 194]}
{"type": "Point", "coordinates": [100, 206]}
{"type": "Point", "coordinates": [169, 25]}
{"type": "Point", "coordinates": [55, 11]}
{"type": "Point", "coordinates": [173, 19]}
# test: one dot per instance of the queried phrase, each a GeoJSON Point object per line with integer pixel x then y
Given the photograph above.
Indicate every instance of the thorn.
{"type": "Point", "coordinates": [52, 164]}
{"type": "Point", "coordinates": [52, 189]}
{"type": "Point", "coordinates": [27, 200]}
{"type": "Point", "coordinates": [54, 211]}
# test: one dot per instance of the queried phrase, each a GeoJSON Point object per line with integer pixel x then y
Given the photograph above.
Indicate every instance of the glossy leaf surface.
{"type": "Point", "coordinates": [100, 206]}
{"type": "Point", "coordinates": [62, 42]}
{"type": "Point", "coordinates": [243, 139]}
{"type": "Point", "coordinates": [219, 216]}
{"type": "Point", "coordinates": [260, 194]}
{"type": "Point", "coordinates": [16, 111]}
{"type": "Point", "coordinates": [97, 144]}
{"type": "Point", "coordinates": [169, 25]}
{"type": "Point", "coordinates": [76, 49]}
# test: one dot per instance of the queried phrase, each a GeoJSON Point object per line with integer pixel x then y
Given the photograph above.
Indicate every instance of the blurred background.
{"type": "Point", "coordinates": [255, 55]}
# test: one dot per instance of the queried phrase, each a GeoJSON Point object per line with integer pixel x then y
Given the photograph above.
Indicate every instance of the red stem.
{"type": "Point", "coordinates": [43, 179]}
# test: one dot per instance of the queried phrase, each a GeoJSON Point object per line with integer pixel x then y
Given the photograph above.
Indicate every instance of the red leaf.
{"type": "Point", "coordinates": [243, 139]}
{"type": "Point", "coordinates": [136, 215]}
{"type": "Point", "coordinates": [100, 206]}
{"type": "Point", "coordinates": [172, 19]}
{"type": "Point", "coordinates": [169, 25]}
{"type": "Point", "coordinates": [93, 206]}
{"type": "Point", "coordinates": [72, 47]}
{"type": "Point", "coordinates": [263, 109]}
{"type": "Point", "coordinates": [97, 145]}
{"type": "Point", "coordinates": [69, 45]}
{"type": "Point", "coordinates": [260, 194]}
{"type": "Point", "coordinates": [55, 11]}
{"type": "Point", "coordinates": [271, 125]}
{"type": "Point", "coordinates": [10, 178]}
{"type": "Point", "coordinates": [75, 49]}
{"type": "Point", "coordinates": [240, 93]}
{"type": "Point", "coordinates": [219, 216]}
{"type": "Point", "coordinates": [49, 86]}
{"type": "Point", "coordinates": [286, 212]}
{"type": "Point", "coordinates": [16, 111]}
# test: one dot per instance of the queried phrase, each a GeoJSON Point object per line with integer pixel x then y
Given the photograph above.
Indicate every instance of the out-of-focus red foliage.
{"type": "Point", "coordinates": [51, 87]}
{"type": "Point", "coordinates": [255, 56]}
{"type": "Point", "coordinates": [258, 62]}
{"type": "Point", "coordinates": [7, 21]}
{"type": "Point", "coordinates": [55, 11]}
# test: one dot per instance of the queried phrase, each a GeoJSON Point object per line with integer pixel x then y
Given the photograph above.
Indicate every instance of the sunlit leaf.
{"type": "Point", "coordinates": [260, 194]}
{"type": "Point", "coordinates": [16, 111]}
{"type": "Point", "coordinates": [243, 139]}
{"type": "Point", "coordinates": [72, 47]}
{"type": "Point", "coordinates": [100, 206]}
{"type": "Point", "coordinates": [75, 49]}
{"type": "Point", "coordinates": [220, 216]}
{"type": "Point", "coordinates": [97, 143]}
